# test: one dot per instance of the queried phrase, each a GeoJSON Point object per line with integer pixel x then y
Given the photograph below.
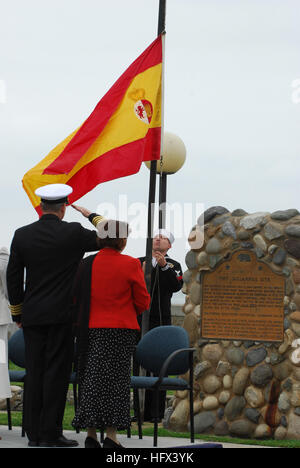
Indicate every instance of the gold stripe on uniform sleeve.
{"type": "Point", "coordinates": [97, 220]}
{"type": "Point", "coordinates": [16, 309]}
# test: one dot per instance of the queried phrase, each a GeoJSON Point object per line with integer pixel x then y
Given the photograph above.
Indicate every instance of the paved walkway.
{"type": "Point", "coordinates": [13, 439]}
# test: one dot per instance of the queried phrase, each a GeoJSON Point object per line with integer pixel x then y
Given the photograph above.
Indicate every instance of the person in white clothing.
{"type": "Point", "coordinates": [5, 320]}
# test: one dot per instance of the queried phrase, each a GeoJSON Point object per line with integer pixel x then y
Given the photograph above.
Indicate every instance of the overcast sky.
{"type": "Point", "coordinates": [230, 94]}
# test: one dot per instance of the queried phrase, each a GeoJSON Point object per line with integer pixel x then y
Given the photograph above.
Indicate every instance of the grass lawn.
{"type": "Point", "coordinates": [148, 431]}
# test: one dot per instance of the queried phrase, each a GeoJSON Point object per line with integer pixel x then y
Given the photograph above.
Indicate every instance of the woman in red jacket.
{"type": "Point", "coordinates": [110, 293]}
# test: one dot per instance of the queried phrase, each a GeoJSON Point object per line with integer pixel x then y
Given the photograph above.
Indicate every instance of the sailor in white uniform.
{"type": "Point", "coordinates": [5, 320]}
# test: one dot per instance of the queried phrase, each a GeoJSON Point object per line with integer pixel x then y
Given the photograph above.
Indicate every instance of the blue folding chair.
{"type": "Point", "coordinates": [164, 351]}
{"type": "Point", "coordinates": [16, 354]}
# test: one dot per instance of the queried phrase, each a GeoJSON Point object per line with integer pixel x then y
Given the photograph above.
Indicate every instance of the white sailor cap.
{"type": "Point", "coordinates": [165, 233]}
{"type": "Point", "coordinates": [54, 193]}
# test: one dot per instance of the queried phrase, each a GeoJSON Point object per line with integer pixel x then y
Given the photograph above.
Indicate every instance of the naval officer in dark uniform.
{"type": "Point", "coordinates": [49, 251]}
{"type": "Point", "coordinates": [166, 279]}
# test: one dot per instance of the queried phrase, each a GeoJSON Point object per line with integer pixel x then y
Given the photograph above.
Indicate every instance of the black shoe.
{"type": "Point", "coordinates": [92, 443]}
{"type": "Point", "coordinates": [61, 442]}
{"type": "Point", "coordinates": [110, 444]}
{"type": "Point", "coordinates": [33, 443]}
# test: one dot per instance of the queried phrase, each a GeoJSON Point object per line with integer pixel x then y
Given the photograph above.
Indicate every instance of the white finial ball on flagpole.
{"type": "Point", "coordinates": [174, 154]}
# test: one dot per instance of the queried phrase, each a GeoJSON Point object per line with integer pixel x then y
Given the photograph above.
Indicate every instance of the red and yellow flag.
{"type": "Point", "coordinates": [123, 131]}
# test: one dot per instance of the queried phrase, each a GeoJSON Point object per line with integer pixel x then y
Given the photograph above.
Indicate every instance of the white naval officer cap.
{"type": "Point", "coordinates": [54, 193]}
{"type": "Point", "coordinates": [165, 233]}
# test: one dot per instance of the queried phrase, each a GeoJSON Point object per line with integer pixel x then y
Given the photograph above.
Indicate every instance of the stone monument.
{"type": "Point", "coordinates": [242, 313]}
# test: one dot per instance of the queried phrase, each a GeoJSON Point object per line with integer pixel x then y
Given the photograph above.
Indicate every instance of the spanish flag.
{"type": "Point", "coordinates": [123, 131]}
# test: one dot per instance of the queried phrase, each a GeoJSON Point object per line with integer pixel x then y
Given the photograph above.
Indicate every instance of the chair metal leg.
{"type": "Point", "coordinates": [129, 431]}
{"type": "Point", "coordinates": [75, 396]}
{"type": "Point", "coordinates": [8, 414]}
{"type": "Point", "coordinates": [138, 413]}
{"type": "Point", "coordinates": [156, 416]}
{"type": "Point", "coordinates": [192, 416]}
{"type": "Point", "coordinates": [23, 411]}
{"type": "Point", "coordinates": [192, 423]}
{"type": "Point", "coordinates": [129, 428]}
{"type": "Point", "coordinates": [75, 402]}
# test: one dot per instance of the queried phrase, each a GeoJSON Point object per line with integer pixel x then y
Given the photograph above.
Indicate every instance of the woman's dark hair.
{"type": "Point", "coordinates": [112, 233]}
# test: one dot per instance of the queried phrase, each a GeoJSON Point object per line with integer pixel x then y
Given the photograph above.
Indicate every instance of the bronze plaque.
{"type": "Point", "coordinates": [243, 300]}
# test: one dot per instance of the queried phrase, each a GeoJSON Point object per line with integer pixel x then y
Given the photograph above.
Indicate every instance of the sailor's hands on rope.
{"type": "Point", "coordinates": [160, 258]}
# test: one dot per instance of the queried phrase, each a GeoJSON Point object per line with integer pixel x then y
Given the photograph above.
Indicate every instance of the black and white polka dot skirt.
{"type": "Point", "coordinates": [104, 386]}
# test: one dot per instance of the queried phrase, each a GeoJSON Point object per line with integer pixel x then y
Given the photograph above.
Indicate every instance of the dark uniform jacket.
{"type": "Point", "coordinates": [164, 283]}
{"type": "Point", "coordinates": [48, 252]}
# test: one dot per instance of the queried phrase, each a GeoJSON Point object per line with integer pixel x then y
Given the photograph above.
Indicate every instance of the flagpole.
{"type": "Point", "coordinates": [151, 206]}
{"type": "Point", "coordinates": [162, 200]}
{"type": "Point", "coordinates": [162, 17]}
{"type": "Point", "coordinates": [152, 186]}
{"type": "Point", "coordinates": [163, 176]}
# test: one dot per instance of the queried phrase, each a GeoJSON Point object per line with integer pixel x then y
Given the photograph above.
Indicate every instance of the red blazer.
{"type": "Point", "coordinates": [118, 291]}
